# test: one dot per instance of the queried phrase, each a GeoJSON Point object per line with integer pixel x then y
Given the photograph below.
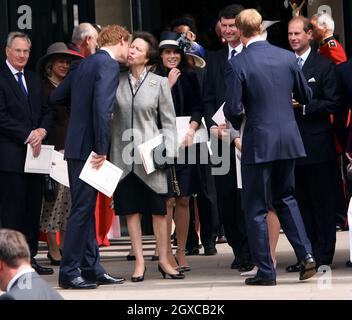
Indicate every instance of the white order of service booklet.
{"type": "Point", "coordinates": [105, 179]}
{"type": "Point", "coordinates": [40, 164]}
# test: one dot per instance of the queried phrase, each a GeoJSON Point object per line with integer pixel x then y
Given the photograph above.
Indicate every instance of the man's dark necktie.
{"type": "Point", "coordinates": [21, 84]}
{"type": "Point", "coordinates": [233, 53]}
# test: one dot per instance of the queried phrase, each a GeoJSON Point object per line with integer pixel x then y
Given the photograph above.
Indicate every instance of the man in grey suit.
{"type": "Point", "coordinates": [261, 80]}
{"type": "Point", "coordinates": [17, 277]}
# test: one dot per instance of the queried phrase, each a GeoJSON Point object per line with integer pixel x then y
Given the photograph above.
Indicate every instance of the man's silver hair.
{"type": "Point", "coordinates": [82, 31]}
{"type": "Point", "coordinates": [16, 34]}
{"type": "Point", "coordinates": [325, 20]}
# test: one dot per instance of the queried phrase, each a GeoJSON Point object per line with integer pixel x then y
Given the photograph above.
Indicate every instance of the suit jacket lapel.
{"type": "Point", "coordinates": [30, 91]}
{"type": "Point", "coordinates": [309, 65]}
{"type": "Point", "coordinates": [14, 86]}
{"type": "Point", "coordinates": [224, 58]}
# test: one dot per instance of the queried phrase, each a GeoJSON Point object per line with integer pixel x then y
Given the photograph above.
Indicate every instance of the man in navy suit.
{"type": "Point", "coordinates": [91, 88]}
{"type": "Point", "coordinates": [315, 175]}
{"type": "Point", "coordinates": [261, 80]}
{"type": "Point", "coordinates": [24, 119]}
{"type": "Point", "coordinates": [228, 196]}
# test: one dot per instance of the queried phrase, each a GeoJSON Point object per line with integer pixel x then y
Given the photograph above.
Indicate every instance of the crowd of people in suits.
{"type": "Point", "coordinates": [286, 119]}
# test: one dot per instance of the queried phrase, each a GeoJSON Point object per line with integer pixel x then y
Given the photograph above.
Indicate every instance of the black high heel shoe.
{"type": "Point", "coordinates": [172, 276]}
{"type": "Point", "coordinates": [184, 268]}
{"type": "Point", "coordinates": [139, 278]}
{"type": "Point", "coordinates": [53, 262]}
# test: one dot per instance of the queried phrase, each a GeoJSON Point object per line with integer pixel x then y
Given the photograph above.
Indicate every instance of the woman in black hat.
{"type": "Point", "coordinates": [53, 68]}
{"type": "Point", "coordinates": [187, 102]}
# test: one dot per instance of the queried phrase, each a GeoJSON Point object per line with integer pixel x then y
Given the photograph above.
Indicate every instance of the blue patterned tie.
{"type": "Point", "coordinates": [300, 62]}
{"type": "Point", "coordinates": [20, 83]}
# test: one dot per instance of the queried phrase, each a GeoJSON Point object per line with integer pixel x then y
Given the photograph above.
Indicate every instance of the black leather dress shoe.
{"type": "Point", "coordinates": [210, 251]}
{"type": "Point", "coordinates": [108, 279]}
{"type": "Point", "coordinates": [348, 264]}
{"type": "Point", "coordinates": [258, 281]}
{"type": "Point", "coordinates": [294, 267]}
{"type": "Point", "coordinates": [40, 269]}
{"type": "Point", "coordinates": [221, 239]}
{"type": "Point", "coordinates": [193, 252]}
{"type": "Point", "coordinates": [78, 283]}
{"type": "Point", "coordinates": [235, 264]}
{"type": "Point", "coordinates": [308, 267]}
{"type": "Point", "coordinates": [245, 267]}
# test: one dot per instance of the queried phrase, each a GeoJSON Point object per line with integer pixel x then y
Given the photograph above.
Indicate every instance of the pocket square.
{"type": "Point", "coordinates": [312, 80]}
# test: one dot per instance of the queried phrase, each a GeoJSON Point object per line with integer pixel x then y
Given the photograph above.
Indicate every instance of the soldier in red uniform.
{"type": "Point", "coordinates": [329, 47]}
{"type": "Point", "coordinates": [323, 31]}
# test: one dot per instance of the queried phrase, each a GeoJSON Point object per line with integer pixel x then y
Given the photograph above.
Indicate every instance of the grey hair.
{"type": "Point", "coordinates": [16, 34]}
{"type": "Point", "coordinates": [82, 31]}
{"type": "Point", "coordinates": [325, 20]}
{"type": "Point", "coordinates": [13, 248]}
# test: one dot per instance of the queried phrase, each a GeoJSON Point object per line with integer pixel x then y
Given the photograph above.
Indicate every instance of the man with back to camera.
{"type": "Point", "coordinates": [323, 32]}
{"type": "Point", "coordinates": [261, 81]}
{"type": "Point", "coordinates": [17, 277]}
{"type": "Point", "coordinates": [228, 196]}
{"type": "Point", "coordinates": [91, 88]}
{"type": "Point", "coordinates": [84, 39]}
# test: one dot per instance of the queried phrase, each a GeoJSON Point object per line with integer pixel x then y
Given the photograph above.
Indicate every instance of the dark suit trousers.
{"type": "Point", "coordinates": [315, 185]}
{"type": "Point", "coordinates": [230, 210]}
{"type": "Point", "coordinates": [207, 206]}
{"type": "Point", "coordinates": [263, 184]}
{"type": "Point", "coordinates": [20, 205]}
{"type": "Point", "coordinates": [81, 248]}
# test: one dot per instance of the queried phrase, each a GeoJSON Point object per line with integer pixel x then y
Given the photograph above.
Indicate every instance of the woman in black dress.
{"type": "Point", "coordinates": [187, 102]}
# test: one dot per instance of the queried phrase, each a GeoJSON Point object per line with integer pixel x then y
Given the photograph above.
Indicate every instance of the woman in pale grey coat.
{"type": "Point", "coordinates": [144, 104]}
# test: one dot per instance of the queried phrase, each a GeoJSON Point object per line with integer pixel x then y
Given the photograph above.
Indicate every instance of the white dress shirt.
{"type": "Point", "coordinates": [238, 49]}
{"type": "Point", "coordinates": [109, 52]}
{"type": "Point", "coordinates": [15, 71]}
{"type": "Point", "coordinates": [304, 56]}
{"type": "Point", "coordinates": [254, 39]}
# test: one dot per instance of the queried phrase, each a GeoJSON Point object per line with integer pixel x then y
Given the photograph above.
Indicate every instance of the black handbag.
{"type": "Point", "coordinates": [159, 152]}
{"type": "Point", "coordinates": [50, 189]}
{"type": "Point", "coordinates": [159, 157]}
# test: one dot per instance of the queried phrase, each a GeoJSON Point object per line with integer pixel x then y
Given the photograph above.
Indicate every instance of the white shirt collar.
{"type": "Point", "coordinates": [254, 39]}
{"type": "Point", "coordinates": [13, 70]}
{"type": "Point", "coordinates": [109, 52]}
{"type": "Point", "coordinates": [238, 50]}
{"type": "Point", "coordinates": [17, 276]}
{"type": "Point", "coordinates": [305, 55]}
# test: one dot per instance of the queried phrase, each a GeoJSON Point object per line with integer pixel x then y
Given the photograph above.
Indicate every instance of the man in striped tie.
{"type": "Point", "coordinates": [316, 175]}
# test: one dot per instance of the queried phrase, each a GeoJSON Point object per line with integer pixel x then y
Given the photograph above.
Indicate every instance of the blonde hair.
{"type": "Point", "coordinates": [111, 35]}
{"type": "Point", "coordinates": [249, 21]}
